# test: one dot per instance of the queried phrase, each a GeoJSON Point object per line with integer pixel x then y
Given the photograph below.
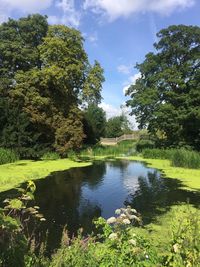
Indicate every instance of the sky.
{"type": "Point", "coordinates": [117, 33]}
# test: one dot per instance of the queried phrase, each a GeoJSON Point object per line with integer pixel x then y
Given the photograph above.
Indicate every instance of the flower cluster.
{"type": "Point", "coordinates": [125, 216]}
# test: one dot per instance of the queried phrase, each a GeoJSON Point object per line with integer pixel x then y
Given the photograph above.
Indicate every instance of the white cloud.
{"type": "Point", "coordinates": [27, 5]}
{"type": "Point", "coordinates": [110, 110]}
{"type": "Point", "coordinates": [91, 37]}
{"type": "Point", "coordinates": [70, 15]}
{"type": "Point", "coordinates": [131, 81]}
{"type": "Point", "coordinates": [23, 6]}
{"type": "Point", "coordinates": [116, 9]}
{"type": "Point", "coordinates": [125, 69]}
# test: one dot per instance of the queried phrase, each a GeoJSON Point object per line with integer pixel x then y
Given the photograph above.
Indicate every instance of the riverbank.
{"type": "Point", "coordinates": [190, 178]}
{"type": "Point", "coordinates": [13, 174]}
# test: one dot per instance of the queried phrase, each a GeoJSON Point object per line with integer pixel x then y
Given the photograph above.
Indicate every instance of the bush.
{"type": "Point", "coordinates": [144, 144]}
{"type": "Point", "coordinates": [186, 159]}
{"type": "Point", "coordinates": [7, 156]}
{"type": "Point", "coordinates": [50, 156]}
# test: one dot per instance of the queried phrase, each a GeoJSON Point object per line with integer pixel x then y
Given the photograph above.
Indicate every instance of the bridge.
{"type": "Point", "coordinates": [114, 141]}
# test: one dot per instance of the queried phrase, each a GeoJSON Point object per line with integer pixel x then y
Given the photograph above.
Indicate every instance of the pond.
{"type": "Point", "coordinates": [76, 196]}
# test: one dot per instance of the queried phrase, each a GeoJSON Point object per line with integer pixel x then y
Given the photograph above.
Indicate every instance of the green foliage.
{"type": "Point", "coordinates": [185, 243]}
{"type": "Point", "coordinates": [16, 241]}
{"type": "Point", "coordinates": [178, 157]}
{"type": "Point", "coordinates": [50, 156]}
{"type": "Point", "coordinates": [117, 126]}
{"type": "Point", "coordinates": [156, 153]}
{"type": "Point", "coordinates": [117, 245]}
{"type": "Point", "coordinates": [121, 149]}
{"type": "Point", "coordinates": [93, 84]}
{"type": "Point", "coordinates": [144, 144]}
{"type": "Point", "coordinates": [94, 124]}
{"type": "Point", "coordinates": [40, 110]}
{"type": "Point", "coordinates": [166, 97]}
{"type": "Point", "coordinates": [7, 156]}
{"type": "Point", "coordinates": [185, 158]}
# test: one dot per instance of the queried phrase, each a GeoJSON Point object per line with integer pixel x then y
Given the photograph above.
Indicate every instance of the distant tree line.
{"type": "Point", "coordinates": [47, 87]}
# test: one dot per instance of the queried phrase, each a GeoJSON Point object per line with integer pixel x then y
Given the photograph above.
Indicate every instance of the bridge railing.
{"type": "Point", "coordinates": [119, 139]}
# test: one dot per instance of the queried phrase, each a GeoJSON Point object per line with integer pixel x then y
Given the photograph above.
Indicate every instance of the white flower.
{"type": "Point", "coordinates": [118, 211]}
{"type": "Point", "coordinates": [122, 215]}
{"type": "Point", "coordinates": [113, 236]}
{"type": "Point", "coordinates": [111, 220]}
{"type": "Point", "coordinates": [132, 242]}
{"type": "Point", "coordinates": [133, 217]}
{"type": "Point", "coordinates": [126, 221]}
{"type": "Point", "coordinates": [133, 210]}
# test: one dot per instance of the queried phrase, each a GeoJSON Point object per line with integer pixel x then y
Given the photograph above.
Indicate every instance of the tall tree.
{"type": "Point", "coordinates": [93, 84]}
{"type": "Point", "coordinates": [43, 70]}
{"type": "Point", "coordinates": [166, 98]}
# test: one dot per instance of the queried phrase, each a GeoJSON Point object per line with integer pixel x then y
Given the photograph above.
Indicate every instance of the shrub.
{"type": "Point", "coordinates": [50, 156]}
{"type": "Point", "coordinates": [144, 144]}
{"type": "Point", "coordinates": [186, 158]}
{"type": "Point", "coordinates": [7, 156]}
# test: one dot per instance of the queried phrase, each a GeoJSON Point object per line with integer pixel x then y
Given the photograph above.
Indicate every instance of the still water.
{"type": "Point", "coordinates": [73, 198]}
{"type": "Point", "coordinates": [76, 196]}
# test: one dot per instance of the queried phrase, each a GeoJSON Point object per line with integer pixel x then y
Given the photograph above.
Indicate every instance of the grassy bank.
{"type": "Point", "coordinates": [190, 178]}
{"type": "Point", "coordinates": [13, 174]}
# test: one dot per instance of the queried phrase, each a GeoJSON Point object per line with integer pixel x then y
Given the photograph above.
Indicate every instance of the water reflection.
{"type": "Point", "coordinates": [77, 196]}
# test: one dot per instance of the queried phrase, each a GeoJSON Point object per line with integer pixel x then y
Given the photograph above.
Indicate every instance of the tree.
{"type": "Point", "coordinates": [43, 72]}
{"type": "Point", "coordinates": [93, 84]}
{"type": "Point", "coordinates": [117, 126]}
{"type": "Point", "coordinates": [94, 123]}
{"type": "Point", "coordinates": [166, 98]}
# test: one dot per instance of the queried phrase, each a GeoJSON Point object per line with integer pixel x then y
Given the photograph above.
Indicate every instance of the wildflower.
{"type": "Point", "coordinates": [126, 221]}
{"type": "Point", "coordinates": [111, 220]}
{"type": "Point", "coordinates": [113, 236]}
{"type": "Point", "coordinates": [133, 217]}
{"type": "Point", "coordinates": [176, 248]}
{"type": "Point", "coordinates": [122, 215]}
{"type": "Point", "coordinates": [134, 211]}
{"type": "Point", "coordinates": [118, 211]}
{"type": "Point", "coordinates": [42, 219]}
{"type": "Point", "coordinates": [132, 242]}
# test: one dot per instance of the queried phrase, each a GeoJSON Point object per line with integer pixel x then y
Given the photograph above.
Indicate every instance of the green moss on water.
{"type": "Point", "coordinates": [13, 174]}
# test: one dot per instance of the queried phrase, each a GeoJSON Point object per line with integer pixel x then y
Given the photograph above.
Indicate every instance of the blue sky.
{"type": "Point", "coordinates": [118, 33]}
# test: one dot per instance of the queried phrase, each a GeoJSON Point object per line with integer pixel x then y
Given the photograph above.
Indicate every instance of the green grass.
{"type": "Point", "coordinates": [121, 149]}
{"type": "Point", "coordinates": [178, 157]}
{"type": "Point", "coordinates": [7, 156]}
{"type": "Point", "coordinates": [13, 174]}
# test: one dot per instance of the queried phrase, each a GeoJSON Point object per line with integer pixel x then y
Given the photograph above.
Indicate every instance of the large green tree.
{"type": "Point", "coordinates": [166, 99]}
{"type": "Point", "coordinates": [44, 71]}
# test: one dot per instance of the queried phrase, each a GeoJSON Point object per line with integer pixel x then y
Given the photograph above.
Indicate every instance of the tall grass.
{"type": "Point", "coordinates": [178, 157]}
{"type": "Point", "coordinates": [50, 156]}
{"type": "Point", "coordinates": [186, 158]}
{"type": "Point", "coordinates": [121, 149]}
{"type": "Point", "coordinates": [7, 156]}
{"type": "Point", "coordinates": [156, 153]}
